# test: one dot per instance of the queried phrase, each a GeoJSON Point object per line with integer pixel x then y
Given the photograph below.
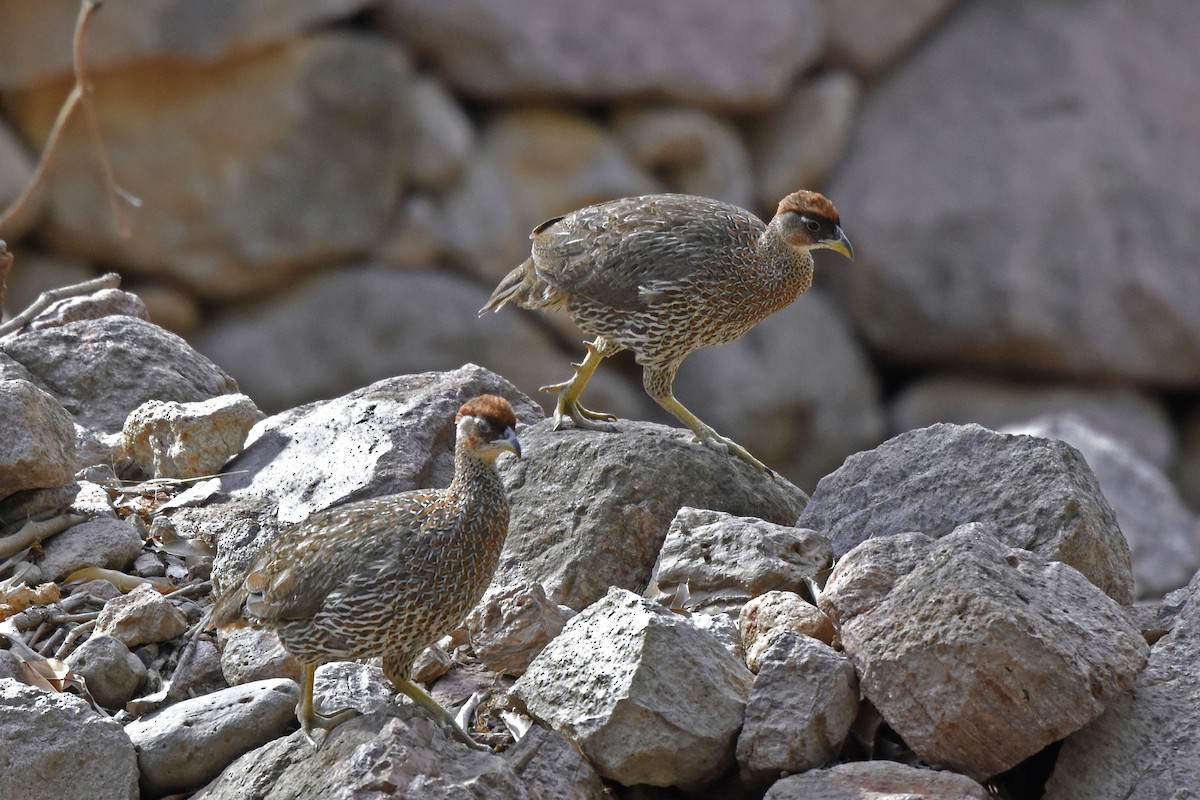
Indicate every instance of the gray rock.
{"type": "Point", "coordinates": [1039, 494]}
{"type": "Point", "coordinates": [141, 617]}
{"type": "Point", "coordinates": [11, 666]}
{"type": "Point", "coordinates": [254, 654]}
{"type": "Point", "coordinates": [104, 303]}
{"type": "Point", "coordinates": [768, 613]}
{"type": "Point", "coordinates": [705, 54]}
{"type": "Point", "coordinates": [76, 752]}
{"type": "Point", "coordinates": [552, 767]}
{"type": "Point", "coordinates": [590, 509]}
{"type": "Point", "coordinates": [797, 391]}
{"type": "Point", "coordinates": [443, 138]}
{"type": "Point", "coordinates": [1027, 651]}
{"type": "Point", "coordinates": [393, 753]}
{"type": "Point", "coordinates": [38, 447]}
{"type": "Point", "coordinates": [1135, 418]}
{"type": "Point", "coordinates": [876, 780]}
{"type": "Point", "coordinates": [234, 210]}
{"type": "Point", "coordinates": [800, 709]}
{"type": "Point", "coordinates": [105, 542]}
{"type": "Point", "coordinates": [187, 440]}
{"type": "Point", "coordinates": [1146, 744]}
{"type": "Point", "coordinates": [693, 151]}
{"type": "Point", "coordinates": [1044, 240]}
{"type": "Point", "coordinates": [724, 629]}
{"type": "Point", "coordinates": [36, 48]}
{"type": "Point", "coordinates": [650, 698]}
{"type": "Point", "coordinates": [1163, 534]}
{"type": "Point", "coordinates": [867, 36]}
{"type": "Point", "coordinates": [185, 745]}
{"type": "Point", "coordinates": [112, 673]}
{"type": "Point", "coordinates": [511, 625]}
{"type": "Point", "coordinates": [490, 234]}
{"type": "Point", "coordinates": [714, 562]}
{"type": "Point", "coordinates": [102, 369]}
{"type": "Point", "coordinates": [345, 684]}
{"type": "Point", "coordinates": [388, 437]}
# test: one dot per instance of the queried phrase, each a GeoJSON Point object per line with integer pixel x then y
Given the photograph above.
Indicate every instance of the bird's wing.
{"type": "Point", "coordinates": [618, 254]}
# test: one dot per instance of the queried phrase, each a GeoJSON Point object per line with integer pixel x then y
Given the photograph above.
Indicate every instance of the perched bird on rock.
{"type": "Point", "coordinates": [662, 275]}
{"type": "Point", "coordinates": [387, 576]}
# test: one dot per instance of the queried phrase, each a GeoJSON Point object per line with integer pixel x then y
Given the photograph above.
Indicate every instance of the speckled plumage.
{"type": "Point", "coordinates": [390, 575]}
{"type": "Point", "coordinates": [663, 275]}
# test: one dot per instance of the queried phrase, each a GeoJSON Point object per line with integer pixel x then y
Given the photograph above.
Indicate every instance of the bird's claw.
{"type": "Point", "coordinates": [723, 444]}
{"type": "Point", "coordinates": [582, 418]}
{"type": "Point", "coordinates": [325, 722]}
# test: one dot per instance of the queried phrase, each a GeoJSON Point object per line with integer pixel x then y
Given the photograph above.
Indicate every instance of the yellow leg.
{"type": "Point", "coordinates": [570, 391]}
{"type": "Point", "coordinates": [433, 708]}
{"type": "Point", "coordinates": [306, 712]}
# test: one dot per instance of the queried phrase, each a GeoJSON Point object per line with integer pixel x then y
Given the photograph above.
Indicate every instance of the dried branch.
{"type": "Point", "coordinates": [37, 531]}
{"type": "Point", "coordinates": [48, 298]}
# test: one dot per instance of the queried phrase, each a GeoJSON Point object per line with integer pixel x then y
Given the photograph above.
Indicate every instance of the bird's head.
{"type": "Point", "coordinates": [485, 426]}
{"type": "Point", "coordinates": [808, 221]}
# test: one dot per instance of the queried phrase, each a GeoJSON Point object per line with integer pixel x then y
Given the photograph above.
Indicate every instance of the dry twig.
{"type": "Point", "coordinates": [48, 298]}
{"type": "Point", "coordinates": [37, 531]}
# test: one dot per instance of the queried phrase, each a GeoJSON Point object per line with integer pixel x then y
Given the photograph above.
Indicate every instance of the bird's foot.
{"type": "Point", "coordinates": [724, 444]}
{"type": "Point", "coordinates": [583, 418]}
{"type": "Point", "coordinates": [327, 722]}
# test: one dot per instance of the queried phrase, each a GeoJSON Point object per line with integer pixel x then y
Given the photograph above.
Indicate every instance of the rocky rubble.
{"type": "Point", "coordinates": [702, 666]}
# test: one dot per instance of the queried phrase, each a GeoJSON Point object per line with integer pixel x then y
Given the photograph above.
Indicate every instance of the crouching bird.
{"type": "Point", "coordinates": [662, 275]}
{"type": "Point", "coordinates": [387, 576]}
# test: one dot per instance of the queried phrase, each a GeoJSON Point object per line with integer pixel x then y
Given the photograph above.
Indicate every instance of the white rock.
{"type": "Point", "coordinates": [512, 624]}
{"type": "Point", "coordinates": [165, 439]}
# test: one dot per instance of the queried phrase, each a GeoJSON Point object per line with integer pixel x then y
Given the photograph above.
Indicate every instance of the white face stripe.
{"type": "Point", "coordinates": [466, 424]}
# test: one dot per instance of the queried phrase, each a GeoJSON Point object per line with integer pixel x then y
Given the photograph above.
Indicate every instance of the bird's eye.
{"type": "Point", "coordinates": [813, 225]}
{"type": "Point", "coordinates": [484, 426]}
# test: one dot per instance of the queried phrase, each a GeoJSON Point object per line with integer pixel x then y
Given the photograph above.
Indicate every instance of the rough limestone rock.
{"type": "Point", "coordinates": [512, 624]}
{"type": "Point", "coordinates": [713, 562]}
{"type": "Point", "coordinates": [231, 161]}
{"type": "Point", "coordinates": [105, 542]}
{"type": "Point", "coordinates": [1047, 239]}
{"type": "Point", "coordinates": [650, 698]}
{"type": "Point", "coordinates": [188, 440]}
{"type": "Point", "coordinates": [102, 369]}
{"type": "Point", "coordinates": [76, 752]}
{"type": "Point", "coordinates": [112, 673]}
{"type": "Point", "coordinates": [104, 303]}
{"type": "Point", "coordinates": [252, 653]}
{"type": "Point", "coordinates": [552, 767]}
{"type": "Point", "coordinates": [978, 654]}
{"type": "Point", "coordinates": [876, 780]}
{"type": "Point", "coordinates": [37, 450]}
{"type": "Point", "coordinates": [801, 706]}
{"type": "Point", "coordinates": [188, 744]}
{"type": "Point", "coordinates": [774, 611]}
{"type": "Point", "coordinates": [1147, 744]}
{"type": "Point", "coordinates": [1039, 495]}
{"type": "Point", "coordinates": [1163, 534]}
{"type": "Point", "coordinates": [699, 53]}
{"type": "Point", "coordinates": [590, 509]}
{"type": "Point", "coordinates": [141, 617]}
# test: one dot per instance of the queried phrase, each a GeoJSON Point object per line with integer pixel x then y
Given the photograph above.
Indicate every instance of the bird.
{"type": "Point", "coordinates": [662, 275]}
{"type": "Point", "coordinates": [386, 576]}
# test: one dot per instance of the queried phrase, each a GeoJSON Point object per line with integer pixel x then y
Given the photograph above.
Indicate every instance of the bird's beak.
{"type": "Point", "coordinates": [840, 244]}
{"type": "Point", "coordinates": [510, 442]}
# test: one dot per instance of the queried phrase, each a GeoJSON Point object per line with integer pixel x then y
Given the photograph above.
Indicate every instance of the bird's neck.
{"type": "Point", "coordinates": [476, 479]}
{"type": "Point", "coordinates": [789, 271]}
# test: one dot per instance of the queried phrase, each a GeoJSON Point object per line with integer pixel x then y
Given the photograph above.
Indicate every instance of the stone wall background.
{"type": "Point", "coordinates": [331, 188]}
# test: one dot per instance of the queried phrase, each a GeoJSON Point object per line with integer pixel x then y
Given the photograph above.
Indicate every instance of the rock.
{"type": "Point", "coordinates": [345, 684]}
{"type": "Point", "coordinates": [11, 666]}
{"type": "Point", "coordinates": [240, 194]}
{"type": "Point", "coordinates": [552, 767]}
{"type": "Point", "coordinates": [112, 673]}
{"type": "Point", "coordinates": [591, 509]}
{"type": "Point", "coordinates": [797, 390]}
{"type": "Point", "coordinates": [38, 447]}
{"type": "Point", "coordinates": [649, 697]}
{"type": "Point", "coordinates": [104, 303]}
{"type": "Point", "coordinates": [1134, 418]}
{"type": "Point", "coordinates": [1145, 744]}
{"type": "Point", "coordinates": [444, 137]}
{"type": "Point", "coordinates": [1027, 651]}
{"type": "Point", "coordinates": [16, 171]}
{"type": "Point", "coordinates": [800, 709]}
{"type": "Point", "coordinates": [36, 38]}
{"type": "Point", "coordinates": [188, 440]}
{"type": "Point", "coordinates": [868, 36]}
{"type": "Point", "coordinates": [105, 542]}
{"type": "Point", "coordinates": [140, 617]}
{"type": "Point", "coordinates": [430, 664]}
{"type": "Point", "coordinates": [723, 628]}
{"type": "Point", "coordinates": [254, 654]}
{"type": "Point", "coordinates": [415, 237]}
{"type": "Point", "coordinates": [797, 145]}
{"type": "Point", "coordinates": [714, 562]}
{"type": "Point", "coordinates": [1044, 242]}
{"type": "Point", "coordinates": [692, 151]}
{"type": "Point", "coordinates": [102, 369]}
{"type": "Point", "coordinates": [705, 54]}
{"type": "Point", "coordinates": [376, 342]}
{"type": "Point", "coordinates": [1163, 534]}
{"type": "Point", "coordinates": [876, 780]}
{"type": "Point", "coordinates": [1038, 494]}
{"type": "Point", "coordinates": [512, 624]}
{"type": "Point", "coordinates": [776, 611]}
{"type": "Point", "coordinates": [185, 745]}
{"type": "Point", "coordinates": [76, 752]}
{"type": "Point", "coordinates": [490, 235]}
{"type": "Point", "coordinates": [397, 752]}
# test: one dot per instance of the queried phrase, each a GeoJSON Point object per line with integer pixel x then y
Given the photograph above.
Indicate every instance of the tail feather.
{"type": "Point", "coordinates": [508, 290]}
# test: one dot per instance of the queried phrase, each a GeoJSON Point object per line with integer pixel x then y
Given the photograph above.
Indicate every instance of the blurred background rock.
{"type": "Point", "coordinates": [331, 188]}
